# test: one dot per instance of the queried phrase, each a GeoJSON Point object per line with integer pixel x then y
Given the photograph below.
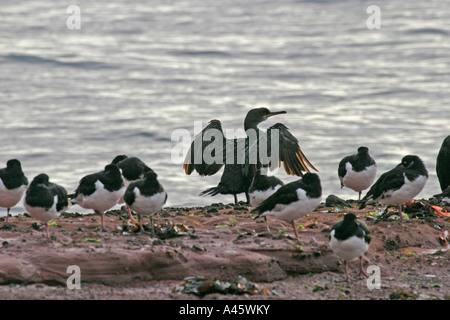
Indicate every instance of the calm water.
{"type": "Point", "coordinates": [70, 100]}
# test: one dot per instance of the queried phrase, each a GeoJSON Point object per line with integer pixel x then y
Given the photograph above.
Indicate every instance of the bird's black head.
{"type": "Point", "coordinates": [112, 169]}
{"type": "Point", "coordinates": [14, 164]}
{"type": "Point", "coordinates": [151, 175]}
{"type": "Point", "coordinates": [41, 179]}
{"type": "Point", "coordinates": [258, 115]}
{"type": "Point", "coordinates": [119, 158]}
{"type": "Point", "coordinates": [412, 162]}
{"type": "Point", "coordinates": [349, 217]}
{"type": "Point", "coordinates": [363, 150]}
{"type": "Point", "coordinates": [310, 177]}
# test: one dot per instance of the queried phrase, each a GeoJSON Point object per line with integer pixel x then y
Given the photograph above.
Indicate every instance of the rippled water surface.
{"type": "Point", "coordinates": [70, 100]}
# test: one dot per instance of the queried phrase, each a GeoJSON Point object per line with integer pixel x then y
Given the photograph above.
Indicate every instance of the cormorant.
{"type": "Point", "coordinates": [243, 156]}
{"type": "Point", "coordinates": [443, 164]}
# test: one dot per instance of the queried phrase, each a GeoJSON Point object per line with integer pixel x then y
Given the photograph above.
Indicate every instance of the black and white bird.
{"type": "Point", "coordinates": [45, 200]}
{"type": "Point", "coordinates": [293, 200]}
{"type": "Point", "coordinates": [100, 191]}
{"type": "Point", "coordinates": [349, 239]}
{"type": "Point", "coordinates": [145, 197]}
{"type": "Point", "coordinates": [357, 171]}
{"type": "Point", "coordinates": [443, 164]}
{"type": "Point", "coordinates": [131, 168]}
{"type": "Point", "coordinates": [262, 187]}
{"type": "Point", "coordinates": [13, 184]}
{"type": "Point", "coordinates": [398, 185]}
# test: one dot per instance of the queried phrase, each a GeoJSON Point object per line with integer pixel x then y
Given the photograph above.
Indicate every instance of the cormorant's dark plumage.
{"type": "Point", "coordinates": [443, 164]}
{"type": "Point", "coordinates": [237, 176]}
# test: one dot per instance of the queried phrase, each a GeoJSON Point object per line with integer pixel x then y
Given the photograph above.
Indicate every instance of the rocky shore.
{"type": "Point", "coordinates": [221, 252]}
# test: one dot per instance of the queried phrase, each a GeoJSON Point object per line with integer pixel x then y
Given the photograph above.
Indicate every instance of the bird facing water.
{"type": "Point", "coordinates": [100, 191]}
{"type": "Point", "coordinates": [45, 200]}
{"type": "Point", "coordinates": [357, 171]}
{"type": "Point", "coordinates": [145, 197]}
{"type": "Point", "coordinates": [13, 184]}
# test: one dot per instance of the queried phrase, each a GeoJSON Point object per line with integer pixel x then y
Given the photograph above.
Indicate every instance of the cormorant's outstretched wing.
{"type": "Point", "coordinates": [289, 152]}
{"type": "Point", "coordinates": [195, 158]}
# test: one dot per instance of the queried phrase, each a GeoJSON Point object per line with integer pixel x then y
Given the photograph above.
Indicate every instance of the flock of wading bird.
{"type": "Point", "coordinates": [129, 180]}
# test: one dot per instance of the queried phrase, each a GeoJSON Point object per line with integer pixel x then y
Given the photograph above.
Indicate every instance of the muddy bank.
{"type": "Point", "coordinates": [221, 242]}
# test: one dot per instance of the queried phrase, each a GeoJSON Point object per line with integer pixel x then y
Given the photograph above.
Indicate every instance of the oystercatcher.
{"type": "Point", "coordinates": [100, 191]}
{"type": "Point", "coordinates": [399, 185]}
{"type": "Point", "coordinates": [45, 200]}
{"type": "Point", "coordinates": [357, 171]}
{"type": "Point", "coordinates": [293, 200]}
{"type": "Point", "coordinates": [145, 197]}
{"type": "Point", "coordinates": [131, 168]}
{"type": "Point", "coordinates": [262, 187]}
{"type": "Point", "coordinates": [13, 184]}
{"type": "Point", "coordinates": [349, 239]}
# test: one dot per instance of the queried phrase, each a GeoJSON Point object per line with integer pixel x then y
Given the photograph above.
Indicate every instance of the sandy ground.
{"type": "Point", "coordinates": [212, 247]}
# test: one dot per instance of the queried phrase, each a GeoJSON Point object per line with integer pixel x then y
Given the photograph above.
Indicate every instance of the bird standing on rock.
{"type": "Point", "coordinates": [349, 239]}
{"type": "Point", "coordinates": [293, 200]}
{"type": "Point", "coordinates": [13, 184]}
{"type": "Point", "coordinates": [240, 168]}
{"type": "Point", "coordinates": [357, 171]}
{"type": "Point", "coordinates": [45, 200]}
{"type": "Point", "coordinates": [399, 185]}
{"type": "Point", "coordinates": [145, 197]}
{"type": "Point", "coordinates": [100, 191]}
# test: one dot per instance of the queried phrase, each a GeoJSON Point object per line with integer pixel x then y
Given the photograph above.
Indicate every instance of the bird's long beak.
{"type": "Point", "coordinates": [274, 114]}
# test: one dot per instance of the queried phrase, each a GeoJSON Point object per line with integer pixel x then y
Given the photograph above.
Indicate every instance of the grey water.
{"type": "Point", "coordinates": [137, 71]}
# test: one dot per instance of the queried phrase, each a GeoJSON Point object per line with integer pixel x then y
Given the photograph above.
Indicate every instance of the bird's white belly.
{"type": "Point", "coordinates": [9, 198]}
{"type": "Point", "coordinates": [101, 200]}
{"type": "Point", "coordinates": [295, 210]}
{"type": "Point", "coordinates": [349, 249]}
{"type": "Point", "coordinates": [43, 214]}
{"type": "Point", "coordinates": [256, 197]}
{"type": "Point", "coordinates": [359, 181]}
{"type": "Point", "coordinates": [148, 205]}
{"type": "Point", "coordinates": [407, 192]}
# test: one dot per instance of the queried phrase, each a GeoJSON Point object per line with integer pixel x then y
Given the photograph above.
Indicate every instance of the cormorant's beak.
{"type": "Point", "coordinates": [274, 114]}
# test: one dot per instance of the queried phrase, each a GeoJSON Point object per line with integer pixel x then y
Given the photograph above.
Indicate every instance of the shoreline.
{"type": "Point", "coordinates": [220, 242]}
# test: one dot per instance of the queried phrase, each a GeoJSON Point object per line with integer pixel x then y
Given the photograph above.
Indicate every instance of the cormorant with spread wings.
{"type": "Point", "coordinates": [210, 150]}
